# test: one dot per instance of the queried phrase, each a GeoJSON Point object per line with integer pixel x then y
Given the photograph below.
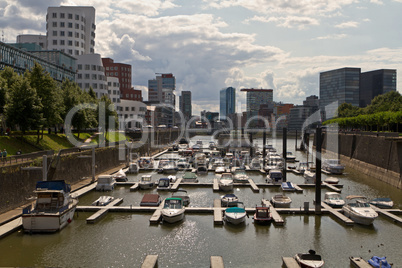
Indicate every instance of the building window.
{"type": "Point", "coordinates": [80, 85]}
{"type": "Point", "coordinates": [77, 52]}
{"type": "Point", "coordinates": [70, 34]}
{"type": "Point", "coordinates": [127, 109]}
{"type": "Point", "coordinates": [86, 85]}
{"type": "Point", "coordinates": [70, 25]}
{"type": "Point", "coordinates": [54, 15]}
{"type": "Point", "coordinates": [87, 66]}
{"type": "Point", "coordinates": [54, 33]}
{"type": "Point", "coordinates": [133, 109]}
{"type": "Point", "coordinates": [79, 66]}
{"type": "Point", "coordinates": [70, 16]}
{"type": "Point", "coordinates": [79, 76]}
{"type": "Point", "coordinates": [62, 42]}
{"type": "Point", "coordinates": [94, 76]}
{"type": "Point", "coordinates": [77, 44]}
{"type": "Point", "coordinates": [70, 43]}
{"type": "Point", "coordinates": [54, 42]}
{"type": "Point", "coordinates": [62, 15]}
{"type": "Point", "coordinates": [77, 26]}
{"type": "Point", "coordinates": [70, 51]}
{"type": "Point", "coordinates": [77, 17]}
{"type": "Point", "coordinates": [77, 35]}
{"type": "Point", "coordinates": [95, 86]}
{"type": "Point", "coordinates": [62, 24]}
{"type": "Point", "coordinates": [93, 67]}
{"type": "Point", "coordinates": [62, 33]}
{"type": "Point", "coordinates": [87, 76]}
{"type": "Point", "coordinates": [54, 23]}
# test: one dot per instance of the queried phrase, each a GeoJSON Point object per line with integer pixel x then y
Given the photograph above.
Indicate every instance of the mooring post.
{"type": "Point", "coordinates": [44, 168]}
{"type": "Point", "coordinates": [296, 142]}
{"type": "Point", "coordinates": [284, 151]}
{"type": "Point", "coordinates": [93, 164]}
{"type": "Point", "coordinates": [264, 140]}
{"type": "Point", "coordinates": [318, 170]}
{"type": "Point", "coordinates": [251, 145]}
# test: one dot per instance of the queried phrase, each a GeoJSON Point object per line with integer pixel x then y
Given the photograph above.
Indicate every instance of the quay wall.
{"type": "Point", "coordinates": [378, 157]}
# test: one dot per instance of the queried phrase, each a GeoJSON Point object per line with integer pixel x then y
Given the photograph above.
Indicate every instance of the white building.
{"type": "Point", "coordinates": [71, 29]}
{"type": "Point", "coordinates": [91, 73]}
{"type": "Point", "coordinates": [113, 90]}
{"type": "Point", "coordinates": [131, 114]}
{"type": "Point", "coordinates": [38, 39]}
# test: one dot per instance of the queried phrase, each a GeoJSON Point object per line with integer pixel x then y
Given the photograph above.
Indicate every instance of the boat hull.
{"type": "Point", "coordinates": [172, 216]}
{"type": "Point", "coordinates": [146, 186]}
{"type": "Point", "coordinates": [48, 222]}
{"type": "Point", "coordinates": [226, 187]}
{"type": "Point", "coordinates": [308, 263]}
{"type": "Point", "coordinates": [361, 219]}
{"type": "Point", "coordinates": [235, 218]}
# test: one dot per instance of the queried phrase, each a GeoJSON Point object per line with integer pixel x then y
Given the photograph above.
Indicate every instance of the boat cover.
{"type": "Point", "coordinates": [235, 210]}
{"type": "Point", "coordinates": [53, 185]}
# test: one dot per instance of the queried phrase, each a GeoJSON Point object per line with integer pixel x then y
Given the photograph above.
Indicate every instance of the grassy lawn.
{"type": "Point", "coordinates": [115, 136]}
{"type": "Point", "coordinates": [13, 144]}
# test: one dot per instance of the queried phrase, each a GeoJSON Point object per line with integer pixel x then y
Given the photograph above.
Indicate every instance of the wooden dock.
{"type": "Point", "coordinates": [254, 187]}
{"type": "Point", "coordinates": [176, 185]}
{"type": "Point", "coordinates": [297, 187]}
{"type": "Point", "coordinates": [290, 262]}
{"type": "Point", "coordinates": [217, 262]}
{"type": "Point", "coordinates": [10, 227]}
{"type": "Point", "coordinates": [134, 187]}
{"type": "Point", "coordinates": [150, 261]}
{"type": "Point", "coordinates": [278, 220]}
{"type": "Point", "coordinates": [337, 214]}
{"type": "Point", "coordinates": [103, 211]}
{"type": "Point", "coordinates": [332, 187]}
{"type": "Point", "coordinates": [215, 185]}
{"type": "Point", "coordinates": [358, 262]}
{"type": "Point", "coordinates": [389, 215]}
{"type": "Point", "coordinates": [218, 219]}
{"type": "Point", "coordinates": [156, 217]}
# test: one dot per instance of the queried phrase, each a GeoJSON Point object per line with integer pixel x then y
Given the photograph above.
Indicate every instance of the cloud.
{"type": "Point", "coordinates": [287, 22]}
{"type": "Point", "coordinates": [331, 36]}
{"type": "Point", "coordinates": [349, 24]}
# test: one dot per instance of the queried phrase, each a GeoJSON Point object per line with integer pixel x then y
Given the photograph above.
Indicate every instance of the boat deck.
{"type": "Point", "coordinates": [358, 262]}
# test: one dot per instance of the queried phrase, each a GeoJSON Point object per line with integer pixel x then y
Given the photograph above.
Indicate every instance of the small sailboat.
{"type": "Point", "coordinates": [173, 210]}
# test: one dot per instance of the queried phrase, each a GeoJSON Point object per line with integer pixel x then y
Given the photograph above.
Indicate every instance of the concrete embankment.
{"type": "Point", "coordinates": [375, 156]}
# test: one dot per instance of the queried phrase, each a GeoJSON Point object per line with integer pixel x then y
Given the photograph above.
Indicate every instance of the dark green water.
{"type": "Point", "coordinates": [124, 239]}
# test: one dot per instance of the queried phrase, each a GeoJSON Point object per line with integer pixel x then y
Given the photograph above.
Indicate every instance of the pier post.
{"type": "Point", "coordinates": [318, 170]}
{"type": "Point", "coordinates": [264, 140]}
{"type": "Point", "coordinates": [296, 141]}
{"type": "Point", "coordinates": [284, 151]}
{"type": "Point", "coordinates": [44, 168]}
{"type": "Point", "coordinates": [93, 164]}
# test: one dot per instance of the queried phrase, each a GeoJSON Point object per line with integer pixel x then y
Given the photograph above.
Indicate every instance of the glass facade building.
{"type": "Point", "coordinates": [375, 83]}
{"type": "Point", "coordinates": [257, 97]}
{"type": "Point", "coordinates": [340, 85]}
{"type": "Point", "coordinates": [227, 105]}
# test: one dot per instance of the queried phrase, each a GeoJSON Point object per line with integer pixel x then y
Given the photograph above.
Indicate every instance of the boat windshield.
{"type": "Point", "coordinates": [360, 205]}
{"type": "Point", "coordinates": [173, 204]}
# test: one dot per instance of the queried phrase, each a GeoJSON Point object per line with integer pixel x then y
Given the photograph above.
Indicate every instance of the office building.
{"type": "Point", "coordinates": [375, 83]}
{"type": "Point", "coordinates": [255, 98]}
{"type": "Point", "coordinates": [161, 89]}
{"type": "Point", "coordinates": [38, 39]}
{"type": "Point", "coordinates": [71, 29]}
{"type": "Point", "coordinates": [227, 105]}
{"type": "Point", "coordinates": [185, 105]}
{"type": "Point", "coordinates": [91, 73]}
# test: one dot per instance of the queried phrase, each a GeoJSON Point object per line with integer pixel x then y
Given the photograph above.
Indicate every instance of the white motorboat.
{"type": "Point", "coordinates": [183, 195]}
{"type": "Point", "coordinates": [384, 202]}
{"type": "Point", "coordinates": [53, 210]}
{"type": "Point", "coordinates": [146, 182]}
{"type": "Point", "coordinates": [235, 215]}
{"type": "Point", "coordinates": [334, 200]}
{"type": "Point", "coordinates": [133, 167]}
{"type": "Point", "coordinates": [309, 176]}
{"type": "Point", "coordinates": [103, 200]}
{"type": "Point", "coordinates": [163, 184]}
{"type": "Point", "coordinates": [189, 177]}
{"type": "Point", "coordinates": [271, 164]}
{"type": "Point", "coordinates": [281, 201]}
{"type": "Point", "coordinates": [202, 169]}
{"type": "Point", "coordinates": [183, 163]}
{"type": "Point", "coordinates": [331, 180]}
{"type": "Point", "coordinates": [226, 182]}
{"type": "Point", "coordinates": [255, 163]}
{"type": "Point", "coordinates": [358, 209]}
{"type": "Point", "coordinates": [212, 145]}
{"type": "Point", "coordinates": [302, 167]}
{"type": "Point", "coordinates": [105, 183]}
{"type": "Point", "coordinates": [309, 260]}
{"type": "Point", "coordinates": [229, 200]}
{"type": "Point", "coordinates": [290, 157]}
{"type": "Point", "coordinates": [333, 166]}
{"type": "Point", "coordinates": [146, 162]}
{"type": "Point", "coordinates": [240, 176]}
{"type": "Point", "coordinates": [275, 176]}
{"type": "Point", "coordinates": [120, 176]}
{"type": "Point", "coordinates": [288, 186]}
{"type": "Point", "coordinates": [169, 167]}
{"type": "Point", "coordinates": [173, 210]}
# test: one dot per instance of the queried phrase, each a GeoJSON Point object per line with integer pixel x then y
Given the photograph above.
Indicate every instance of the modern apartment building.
{"type": "Point", "coordinates": [227, 105]}
{"type": "Point", "coordinates": [71, 29]}
{"type": "Point", "coordinates": [374, 83]}
{"type": "Point", "coordinates": [185, 104]}
{"type": "Point", "coordinates": [161, 89]}
{"type": "Point", "coordinates": [91, 73]}
{"type": "Point", "coordinates": [255, 98]}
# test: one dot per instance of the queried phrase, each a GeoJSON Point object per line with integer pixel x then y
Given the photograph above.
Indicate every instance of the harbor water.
{"type": "Point", "coordinates": [124, 239]}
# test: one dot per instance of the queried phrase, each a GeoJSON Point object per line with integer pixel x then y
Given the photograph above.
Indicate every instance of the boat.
{"type": "Point", "coordinates": [382, 202]}
{"type": "Point", "coordinates": [309, 260]}
{"type": "Point", "coordinates": [146, 162]}
{"type": "Point", "coordinates": [379, 262]}
{"type": "Point", "coordinates": [103, 200]}
{"type": "Point", "coordinates": [358, 209]}
{"type": "Point", "coordinates": [169, 166]}
{"type": "Point", "coordinates": [275, 176]}
{"type": "Point", "coordinates": [212, 145]}
{"type": "Point", "coordinates": [53, 210]}
{"type": "Point", "coordinates": [288, 186]}
{"type": "Point", "coordinates": [229, 200]}
{"type": "Point", "coordinates": [105, 183]}
{"type": "Point", "coordinates": [133, 167]}
{"type": "Point", "coordinates": [183, 163]}
{"type": "Point", "coordinates": [173, 210]}
{"type": "Point", "coordinates": [183, 144]}
{"type": "Point", "coordinates": [331, 180]}
{"type": "Point", "coordinates": [240, 176]}
{"type": "Point", "coordinates": [150, 200]}
{"type": "Point", "coordinates": [202, 169]}
{"type": "Point", "coordinates": [146, 182]}
{"type": "Point", "coordinates": [273, 164]}
{"type": "Point", "coordinates": [334, 200]}
{"type": "Point", "coordinates": [183, 195]}
{"type": "Point", "coordinates": [255, 163]}
{"type": "Point", "coordinates": [302, 167]}
{"type": "Point", "coordinates": [290, 157]}
{"type": "Point", "coordinates": [281, 201]}
{"type": "Point", "coordinates": [262, 215]}
{"type": "Point", "coordinates": [333, 166]}
{"type": "Point", "coordinates": [120, 176]}
{"type": "Point", "coordinates": [226, 182]}
{"type": "Point", "coordinates": [163, 184]}
{"type": "Point", "coordinates": [189, 177]}
{"type": "Point", "coordinates": [235, 215]}
{"type": "Point", "coordinates": [309, 176]}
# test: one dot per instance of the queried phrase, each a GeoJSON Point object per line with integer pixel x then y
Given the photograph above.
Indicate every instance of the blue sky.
{"type": "Point", "coordinates": [211, 44]}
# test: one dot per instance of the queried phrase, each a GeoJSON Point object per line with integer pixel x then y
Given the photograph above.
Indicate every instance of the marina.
{"type": "Point", "coordinates": [203, 233]}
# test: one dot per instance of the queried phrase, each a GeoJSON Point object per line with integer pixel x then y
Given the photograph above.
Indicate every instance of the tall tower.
{"type": "Point", "coordinates": [227, 102]}
{"type": "Point", "coordinates": [257, 97]}
{"type": "Point", "coordinates": [71, 29]}
{"type": "Point", "coordinates": [185, 104]}
{"type": "Point", "coordinates": [161, 89]}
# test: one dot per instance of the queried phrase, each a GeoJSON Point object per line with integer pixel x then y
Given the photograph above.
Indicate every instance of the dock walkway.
{"type": "Point", "coordinates": [156, 217]}
{"type": "Point", "coordinates": [278, 220]}
{"type": "Point", "coordinates": [218, 219]}
{"type": "Point", "coordinates": [388, 214]}
{"type": "Point", "coordinates": [254, 187]}
{"type": "Point", "coordinates": [103, 211]}
{"type": "Point", "coordinates": [217, 262]}
{"type": "Point", "coordinates": [290, 262]}
{"type": "Point", "coordinates": [150, 261]}
{"type": "Point", "coordinates": [337, 214]}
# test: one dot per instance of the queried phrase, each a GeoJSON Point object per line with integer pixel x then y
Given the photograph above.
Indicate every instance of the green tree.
{"type": "Point", "coordinates": [7, 78]}
{"type": "Point", "coordinates": [347, 110]}
{"type": "Point", "coordinates": [49, 93]}
{"type": "Point", "coordinates": [391, 101]}
{"type": "Point", "coordinates": [24, 106]}
{"type": "Point", "coordinates": [110, 113]}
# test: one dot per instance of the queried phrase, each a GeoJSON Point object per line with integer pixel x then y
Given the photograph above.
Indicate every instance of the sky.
{"type": "Point", "coordinates": [209, 44]}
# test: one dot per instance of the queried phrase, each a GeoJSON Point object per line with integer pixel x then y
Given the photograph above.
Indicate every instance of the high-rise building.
{"type": "Point", "coordinates": [340, 85]}
{"type": "Point", "coordinates": [375, 83]}
{"type": "Point", "coordinates": [161, 89]}
{"type": "Point", "coordinates": [227, 105]}
{"type": "Point", "coordinates": [71, 29]}
{"type": "Point", "coordinates": [255, 98]}
{"type": "Point", "coordinates": [185, 104]}
{"type": "Point", "coordinates": [123, 73]}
